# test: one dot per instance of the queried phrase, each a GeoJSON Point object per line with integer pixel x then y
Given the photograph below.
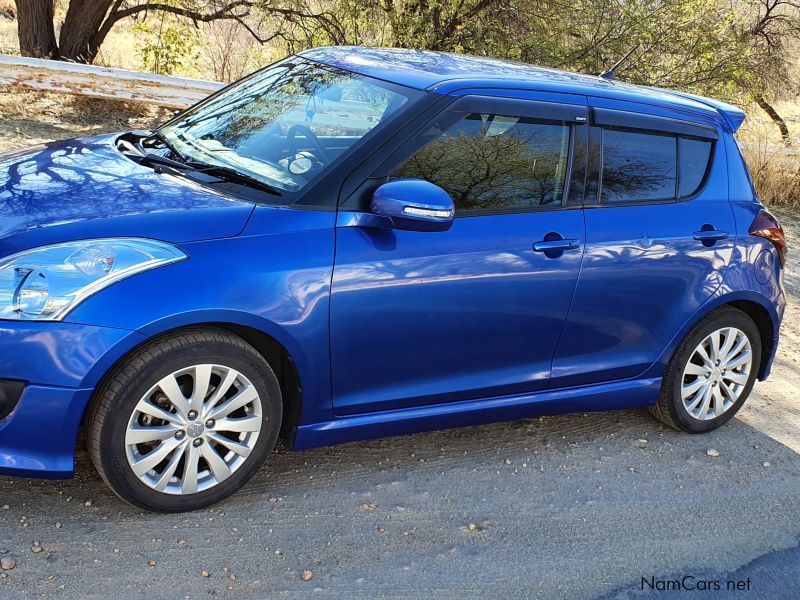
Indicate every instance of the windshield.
{"type": "Point", "coordinates": [286, 123]}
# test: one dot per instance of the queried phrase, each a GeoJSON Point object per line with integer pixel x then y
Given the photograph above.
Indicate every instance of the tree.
{"type": "Point", "coordinates": [88, 22]}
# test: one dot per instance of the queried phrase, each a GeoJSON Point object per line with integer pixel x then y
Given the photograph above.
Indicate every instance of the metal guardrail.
{"type": "Point", "coordinates": [103, 82]}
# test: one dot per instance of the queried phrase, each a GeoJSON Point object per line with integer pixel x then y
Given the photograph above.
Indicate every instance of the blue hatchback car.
{"type": "Point", "coordinates": [356, 242]}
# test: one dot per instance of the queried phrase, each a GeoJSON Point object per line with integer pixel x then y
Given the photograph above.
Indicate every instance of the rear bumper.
{"type": "Point", "coordinates": [60, 364]}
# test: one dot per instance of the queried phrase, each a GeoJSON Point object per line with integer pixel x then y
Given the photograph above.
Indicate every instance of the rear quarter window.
{"type": "Point", "coordinates": [694, 155]}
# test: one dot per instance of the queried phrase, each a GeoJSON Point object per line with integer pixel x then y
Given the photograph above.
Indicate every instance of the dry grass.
{"type": "Point", "coordinates": [775, 169]}
{"type": "Point", "coordinates": [775, 174]}
{"type": "Point", "coordinates": [28, 118]}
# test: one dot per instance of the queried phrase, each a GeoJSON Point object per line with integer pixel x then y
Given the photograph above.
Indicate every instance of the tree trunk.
{"type": "Point", "coordinates": [776, 118]}
{"type": "Point", "coordinates": [37, 36]}
{"type": "Point", "coordinates": [79, 40]}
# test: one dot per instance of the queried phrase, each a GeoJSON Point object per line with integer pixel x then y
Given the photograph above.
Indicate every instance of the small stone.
{"type": "Point", "coordinates": [36, 549]}
{"type": "Point", "coordinates": [151, 563]}
{"type": "Point", "coordinates": [7, 564]}
{"type": "Point", "coordinates": [712, 452]}
{"type": "Point", "coordinates": [181, 542]}
{"type": "Point", "coordinates": [278, 552]}
{"type": "Point", "coordinates": [631, 470]}
{"type": "Point", "coordinates": [204, 574]}
{"type": "Point", "coordinates": [474, 527]}
{"type": "Point", "coordinates": [381, 530]}
{"type": "Point", "coordinates": [642, 441]}
{"type": "Point", "coordinates": [369, 506]}
{"type": "Point", "coordinates": [767, 465]}
{"type": "Point", "coordinates": [272, 500]}
{"type": "Point", "coordinates": [116, 550]}
{"type": "Point", "coordinates": [308, 575]}
{"type": "Point", "coordinates": [58, 525]}
{"type": "Point", "coordinates": [508, 461]}
{"type": "Point", "coordinates": [232, 577]}
{"type": "Point", "coordinates": [6, 507]}
{"type": "Point", "coordinates": [88, 503]}
{"type": "Point", "coordinates": [51, 577]}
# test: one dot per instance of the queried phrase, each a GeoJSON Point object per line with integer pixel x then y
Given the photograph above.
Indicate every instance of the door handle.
{"type": "Point", "coordinates": [710, 235]}
{"type": "Point", "coordinates": [548, 245]}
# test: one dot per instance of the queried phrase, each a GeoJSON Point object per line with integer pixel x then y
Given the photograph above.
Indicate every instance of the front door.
{"type": "Point", "coordinates": [429, 317]}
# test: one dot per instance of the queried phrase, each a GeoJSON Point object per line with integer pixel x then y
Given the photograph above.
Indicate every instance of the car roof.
{"type": "Point", "coordinates": [446, 72]}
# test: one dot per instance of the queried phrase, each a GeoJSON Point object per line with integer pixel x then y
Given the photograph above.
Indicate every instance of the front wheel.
{"type": "Point", "coordinates": [185, 421]}
{"type": "Point", "coordinates": [711, 373]}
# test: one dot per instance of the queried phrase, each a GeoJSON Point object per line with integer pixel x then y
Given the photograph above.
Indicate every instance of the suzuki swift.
{"type": "Point", "coordinates": [358, 242]}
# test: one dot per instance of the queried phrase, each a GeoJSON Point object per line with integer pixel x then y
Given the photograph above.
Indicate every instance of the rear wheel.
{"type": "Point", "coordinates": [185, 421]}
{"type": "Point", "coordinates": [711, 373]}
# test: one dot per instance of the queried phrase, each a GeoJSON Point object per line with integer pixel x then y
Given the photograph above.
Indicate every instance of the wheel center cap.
{"type": "Point", "coordinates": [715, 374]}
{"type": "Point", "coordinates": [195, 429]}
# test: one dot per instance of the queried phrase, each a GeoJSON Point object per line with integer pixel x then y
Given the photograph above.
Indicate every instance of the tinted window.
{"type": "Point", "coordinates": [694, 155]}
{"type": "Point", "coordinates": [638, 166]}
{"type": "Point", "coordinates": [494, 162]}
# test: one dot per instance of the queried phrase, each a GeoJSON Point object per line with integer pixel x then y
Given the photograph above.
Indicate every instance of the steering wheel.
{"type": "Point", "coordinates": [298, 129]}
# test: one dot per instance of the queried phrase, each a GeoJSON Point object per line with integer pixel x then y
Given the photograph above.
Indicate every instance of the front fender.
{"type": "Point", "coordinates": [278, 284]}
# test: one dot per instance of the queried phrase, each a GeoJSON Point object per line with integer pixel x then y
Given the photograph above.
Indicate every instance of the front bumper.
{"type": "Point", "coordinates": [60, 364]}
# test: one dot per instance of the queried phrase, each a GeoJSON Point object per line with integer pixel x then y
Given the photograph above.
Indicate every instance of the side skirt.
{"type": "Point", "coordinates": [617, 395]}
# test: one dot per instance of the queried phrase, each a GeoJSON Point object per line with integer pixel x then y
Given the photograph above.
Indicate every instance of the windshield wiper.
{"type": "Point", "coordinates": [151, 159]}
{"type": "Point", "coordinates": [157, 135]}
{"type": "Point", "coordinates": [217, 172]}
{"type": "Point", "coordinates": [232, 175]}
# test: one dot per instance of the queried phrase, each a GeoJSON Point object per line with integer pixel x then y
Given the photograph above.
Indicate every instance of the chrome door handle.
{"type": "Point", "coordinates": [544, 246]}
{"type": "Point", "coordinates": [710, 235]}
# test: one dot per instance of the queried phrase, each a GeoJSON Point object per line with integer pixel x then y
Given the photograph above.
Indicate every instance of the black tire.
{"type": "Point", "coordinates": [670, 409]}
{"type": "Point", "coordinates": [128, 382]}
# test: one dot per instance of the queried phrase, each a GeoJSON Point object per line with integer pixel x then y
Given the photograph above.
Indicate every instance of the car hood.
{"type": "Point", "coordinates": [86, 188]}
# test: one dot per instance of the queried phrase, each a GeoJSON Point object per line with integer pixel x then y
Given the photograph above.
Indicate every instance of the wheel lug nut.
{"type": "Point", "coordinates": [192, 415]}
{"type": "Point", "coordinates": [197, 442]}
{"type": "Point", "coordinates": [210, 424]}
{"type": "Point", "coordinates": [179, 435]}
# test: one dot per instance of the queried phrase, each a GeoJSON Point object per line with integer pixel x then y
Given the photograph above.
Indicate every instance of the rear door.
{"type": "Point", "coordinates": [659, 235]}
{"type": "Point", "coordinates": [431, 317]}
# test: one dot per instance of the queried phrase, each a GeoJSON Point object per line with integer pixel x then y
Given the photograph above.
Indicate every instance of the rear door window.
{"type": "Point", "coordinates": [638, 166]}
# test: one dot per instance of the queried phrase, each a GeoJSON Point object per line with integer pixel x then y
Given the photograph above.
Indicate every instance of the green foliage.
{"type": "Point", "coordinates": [167, 46]}
{"type": "Point", "coordinates": [729, 50]}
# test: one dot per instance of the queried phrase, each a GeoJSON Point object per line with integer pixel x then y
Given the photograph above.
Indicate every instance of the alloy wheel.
{"type": "Point", "coordinates": [193, 429]}
{"type": "Point", "coordinates": [717, 373]}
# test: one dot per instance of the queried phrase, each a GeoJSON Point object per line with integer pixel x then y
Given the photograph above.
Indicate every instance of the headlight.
{"type": "Point", "coordinates": [44, 284]}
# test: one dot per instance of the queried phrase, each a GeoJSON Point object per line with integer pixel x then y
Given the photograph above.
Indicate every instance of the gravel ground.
{"type": "Point", "coordinates": [582, 506]}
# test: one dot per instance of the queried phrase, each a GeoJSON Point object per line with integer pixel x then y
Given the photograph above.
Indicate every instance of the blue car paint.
{"type": "Point", "coordinates": [317, 284]}
{"type": "Point", "coordinates": [78, 189]}
{"type": "Point", "coordinates": [480, 280]}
